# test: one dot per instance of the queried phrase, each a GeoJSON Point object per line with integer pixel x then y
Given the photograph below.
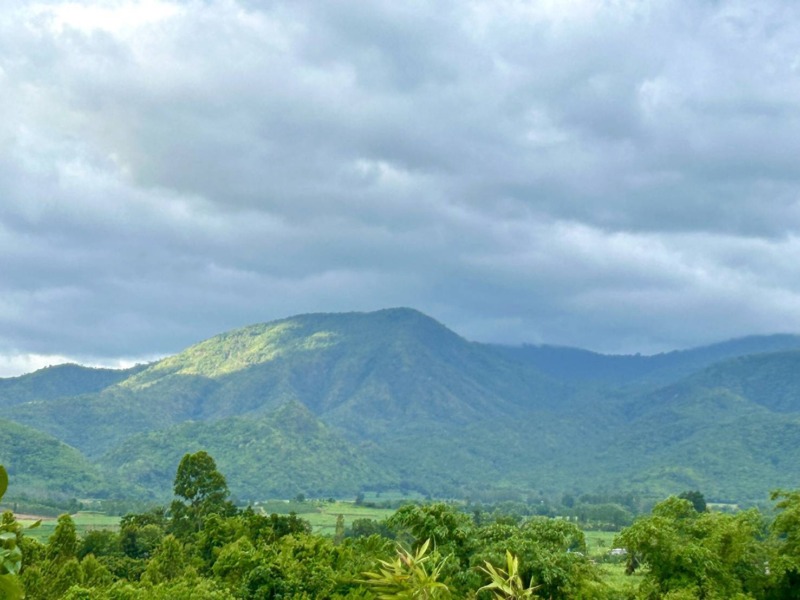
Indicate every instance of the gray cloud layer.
{"type": "Point", "coordinates": [621, 175]}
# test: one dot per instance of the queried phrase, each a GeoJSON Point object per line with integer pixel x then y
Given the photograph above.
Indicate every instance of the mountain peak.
{"type": "Point", "coordinates": [261, 343]}
{"type": "Point", "coordinates": [324, 402]}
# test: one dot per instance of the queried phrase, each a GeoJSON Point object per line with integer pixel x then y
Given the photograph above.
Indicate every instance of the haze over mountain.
{"type": "Point", "coordinates": [332, 404]}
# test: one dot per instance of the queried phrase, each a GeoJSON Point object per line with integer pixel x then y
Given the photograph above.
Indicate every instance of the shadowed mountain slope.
{"type": "Point", "coordinates": [732, 429]}
{"type": "Point", "coordinates": [574, 364]}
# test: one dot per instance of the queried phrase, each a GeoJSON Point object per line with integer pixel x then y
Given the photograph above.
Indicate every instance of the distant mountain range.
{"type": "Point", "coordinates": [334, 404]}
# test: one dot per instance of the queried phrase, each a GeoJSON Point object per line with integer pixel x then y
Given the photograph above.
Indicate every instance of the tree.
{"type": "Point", "coordinates": [696, 498]}
{"type": "Point", "coordinates": [235, 562]}
{"type": "Point", "coordinates": [10, 553]}
{"type": "Point", "coordinates": [202, 491]}
{"type": "Point", "coordinates": [140, 534]}
{"type": "Point", "coordinates": [549, 556]}
{"type": "Point", "coordinates": [690, 554]}
{"type": "Point", "coordinates": [361, 528]}
{"type": "Point", "coordinates": [168, 562]}
{"type": "Point", "coordinates": [140, 542]}
{"type": "Point", "coordinates": [338, 535]}
{"type": "Point", "coordinates": [94, 573]}
{"type": "Point", "coordinates": [99, 542]}
{"type": "Point", "coordinates": [66, 575]}
{"type": "Point", "coordinates": [785, 564]}
{"type": "Point", "coordinates": [63, 544]}
{"type": "Point", "coordinates": [412, 575]}
{"type": "Point", "coordinates": [448, 529]}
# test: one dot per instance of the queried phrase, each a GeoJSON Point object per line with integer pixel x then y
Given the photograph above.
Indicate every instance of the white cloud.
{"type": "Point", "coordinates": [12, 365]}
{"type": "Point", "coordinates": [116, 17]}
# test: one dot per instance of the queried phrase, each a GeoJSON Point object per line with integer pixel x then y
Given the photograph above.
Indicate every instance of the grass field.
{"type": "Point", "coordinates": [323, 515]}
{"type": "Point", "coordinates": [84, 521]}
{"type": "Point", "coordinates": [598, 544]}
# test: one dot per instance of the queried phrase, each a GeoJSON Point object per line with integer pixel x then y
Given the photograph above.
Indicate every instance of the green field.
{"type": "Point", "coordinates": [599, 544]}
{"type": "Point", "coordinates": [84, 521]}
{"type": "Point", "coordinates": [323, 515]}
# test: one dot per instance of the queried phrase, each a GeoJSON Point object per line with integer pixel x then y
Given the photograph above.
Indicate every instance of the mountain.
{"type": "Point", "coordinates": [363, 373]}
{"type": "Point", "coordinates": [59, 381]}
{"type": "Point", "coordinates": [575, 364]}
{"type": "Point", "coordinates": [393, 384]}
{"type": "Point", "coordinates": [386, 365]}
{"type": "Point", "coordinates": [728, 428]}
{"type": "Point", "coordinates": [713, 440]}
{"type": "Point", "coordinates": [277, 455]}
{"type": "Point", "coordinates": [771, 380]}
{"type": "Point", "coordinates": [330, 404]}
{"type": "Point", "coordinates": [45, 467]}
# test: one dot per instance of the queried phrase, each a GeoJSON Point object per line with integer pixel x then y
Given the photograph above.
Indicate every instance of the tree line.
{"type": "Point", "coordinates": [203, 546]}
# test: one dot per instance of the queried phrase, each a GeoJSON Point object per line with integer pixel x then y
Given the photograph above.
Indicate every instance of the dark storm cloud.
{"type": "Point", "coordinates": [618, 175]}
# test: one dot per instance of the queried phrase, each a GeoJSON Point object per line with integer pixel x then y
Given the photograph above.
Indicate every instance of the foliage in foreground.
{"type": "Point", "coordinates": [409, 575]}
{"type": "Point", "coordinates": [203, 547]}
{"type": "Point", "coordinates": [10, 554]}
{"type": "Point", "coordinates": [686, 554]}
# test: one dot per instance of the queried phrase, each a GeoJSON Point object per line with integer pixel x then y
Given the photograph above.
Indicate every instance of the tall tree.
{"type": "Point", "coordinates": [201, 490]}
{"type": "Point", "coordinates": [63, 544]}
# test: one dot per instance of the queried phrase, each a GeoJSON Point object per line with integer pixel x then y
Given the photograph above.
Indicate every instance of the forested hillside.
{"type": "Point", "coordinates": [41, 464]}
{"type": "Point", "coordinates": [285, 451]}
{"type": "Point", "coordinates": [59, 381]}
{"type": "Point", "coordinates": [335, 404]}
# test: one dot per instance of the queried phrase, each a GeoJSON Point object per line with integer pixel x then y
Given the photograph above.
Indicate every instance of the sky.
{"type": "Point", "coordinates": [617, 175]}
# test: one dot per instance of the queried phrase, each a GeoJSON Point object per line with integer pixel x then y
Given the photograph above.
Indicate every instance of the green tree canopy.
{"type": "Point", "coordinates": [201, 490]}
{"type": "Point", "coordinates": [698, 555]}
{"type": "Point", "coordinates": [696, 498]}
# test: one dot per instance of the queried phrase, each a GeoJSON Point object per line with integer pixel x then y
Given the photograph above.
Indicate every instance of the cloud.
{"type": "Point", "coordinates": [618, 175]}
{"type": "Point", "coordinates": [11, 366]}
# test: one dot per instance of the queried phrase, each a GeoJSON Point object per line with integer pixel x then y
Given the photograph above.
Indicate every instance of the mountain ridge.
{"type": "Point", "coordinates": [400, 398]}
{"type": "Point", "coordinates": [586, 365]}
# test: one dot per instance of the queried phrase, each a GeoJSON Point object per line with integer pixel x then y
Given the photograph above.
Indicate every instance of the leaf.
{"type": "Point", "coordinates": [10, 588]}
{"type": "Point", "coordinates": [3, 481]}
